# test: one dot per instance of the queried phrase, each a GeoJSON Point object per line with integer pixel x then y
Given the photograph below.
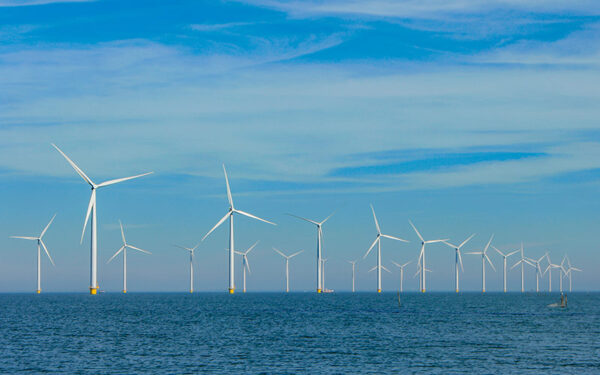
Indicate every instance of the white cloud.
{"type": "Point", "coordinates": [19, 3]}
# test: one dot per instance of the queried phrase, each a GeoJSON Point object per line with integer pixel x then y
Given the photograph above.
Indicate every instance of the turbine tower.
{"type": "Point", "coordinates": [124, 250]}
{"type": "Point", "coordinates": [457, 259]}
{"type": "Point", "coordinates": [245, 264]}
{"type": "Point", "coordinates": [422, 255]}
{"type": "Point", "coordinates": [191, 251]}
{"type": "Point", "coordinates": [549, 270]}
{"type": "Point", "coordinates": [323, 260]}
{"type": "Point", "coordinates": [353, 263]}
{"type": "Point", "coordinates": [401, 266]}
{"type": "Point", "coordinates": [287, 267]}
{"type": "Point", "coordinates": [229, 214]}
{"type": "Point", "coordinates": [378, 242]}
{"type": "Point", "coordinates": [41, 243]}
{"type": "Point", "coordinates": [319, 247]}
{"type": "Point", "coordinates": [523, 261]}
{"type": "Point", "coordinates": [484, 257]}
{"type": "Point", "coordinates": [504, 256]}
{"type": "Point", "coordinates": [92, 210]}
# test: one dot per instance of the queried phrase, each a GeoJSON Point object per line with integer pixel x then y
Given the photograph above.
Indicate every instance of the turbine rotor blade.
{"type": "Point", "coordinates": [467, 240]}
{"type": "Point", "coordinates": [184, 248]}
{"type": "Point", "coordinates": [122, 233]}
{"type": "Point", "coordinates": [47, 252]}
{"type": "Point", "coordinates": [229, 198]}
{"type": "Point", "coordinates": [490, 262]}
{"type": "Point", "coordinates": [385, 269]}
{"type": "Point", "coordinates": [415, 228]}
{"type": "Point", "coordinates": [47, 226]}
{"type": "Point", "coordinates": [247, 264]}
{"type": "Point", "coordinates": [217, 225]}
{"type": "Point", "coordinates": [138, 249]}
{"type": "Point", "coordinates": [293, 255]}
{"type": "Point", "coordinates": [115, 254]}
{"type": "Point", "coordinates": [488, 244]}
{"type": "Point", "coordinates": [327, 218]}
{"type": "Point", "coordinates": [75, 167]}
{"type": "Point", "coordinates": [370, 248]}
{"type": "Point", "coordinates": [305, 219]}
{"type": "Point", "coordinates": [251, 247]}
{"type": "Point", "coordinates": [116, 181]}
{"type": "Point", "coordinates": [280, 253]}
{"type": "Point", "coordinates": [87, 215]}
{"type": "Point", "coordinates": [460, 260]}
{"type": "Point", "coordinates": [253, 217]}
{"type": "Point", "coordinates": [25, 238]}
{"type": "Point", "coordinates": [376, 222]}
{"type": "Point", "coordinates": [393, 238]}
{"type": "Point", "coordinates": [396, 264]}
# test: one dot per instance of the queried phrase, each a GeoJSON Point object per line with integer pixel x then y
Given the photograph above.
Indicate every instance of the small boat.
{"type": "Point", "coordinates": [562, 304]}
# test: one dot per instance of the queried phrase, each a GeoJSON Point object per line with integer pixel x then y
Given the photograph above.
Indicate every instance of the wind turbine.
{"type": "Point", "coordinates": [229, 215]}
{"type": "Point", "coordinates": [549, 270]}
{"type": "Point", "coordinates": [124, 250]}
{"type": "Point", "coordinates": [287, 267]}
{"type": "Point", "coordinates": [401, 266]}
{"type": "Point", "coordinates": [378, 242]}
{"type": "Point", "coordinates": [191, 251]}
{"type": "Point", "coordinates": [569, 273]}
{"type": "Point", "coordinates": [40, 242]}
{"type": "Point", "coordinates": [522, 262]}
{"type": "Point", "coordinates": [353, 263]}
{"type": "Point", "coordinates": [504, 256]}
{"type": "Point", "coordinates": [92, 210]}
{"type": "Point", "coordinates": [422, 255]}
{"type": "Point", "coordinates": [319, 246]}
{"type": "Point", "coordinates": [484, 257]}
{"type": "Point", "coordinates": [458, 258]}
{"type": "Point", "coordinates": [245, 264]}
{"type": "Point", "coordinates": [418, 273]}
{"type": "Point", "coordinates": [538, 271]}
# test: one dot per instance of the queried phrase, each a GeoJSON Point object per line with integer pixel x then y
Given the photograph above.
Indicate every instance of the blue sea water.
{"type": "Point", "coordinates": [341, 333]}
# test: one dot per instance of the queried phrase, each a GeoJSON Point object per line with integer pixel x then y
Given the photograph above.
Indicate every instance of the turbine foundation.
{"type": "Point", "coordinates": [93, 291]}
{"type": "Point", "coordinates": [38, 291]}
{"type": "Point", "coordinates": [231, 290]}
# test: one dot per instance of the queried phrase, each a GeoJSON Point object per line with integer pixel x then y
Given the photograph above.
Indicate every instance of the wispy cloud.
{"type": "Point", "coordinates": [20, 3]}
{"type": "Point", "coordinates": [219, 26]}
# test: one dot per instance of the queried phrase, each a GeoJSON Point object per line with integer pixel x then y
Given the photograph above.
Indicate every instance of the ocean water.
{"type": "Point", "coordinates": [341, 333]}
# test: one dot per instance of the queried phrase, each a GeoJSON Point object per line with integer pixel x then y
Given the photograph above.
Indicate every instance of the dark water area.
{"type": "Point", "coordinates": [341, 333]}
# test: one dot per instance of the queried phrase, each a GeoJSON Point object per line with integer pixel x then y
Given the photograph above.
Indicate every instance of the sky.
{"type": "Point", "coordinates": [464, 117]}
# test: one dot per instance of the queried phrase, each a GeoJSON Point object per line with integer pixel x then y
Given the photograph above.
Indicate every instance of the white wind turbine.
{"type": "Point", "coordinates": [92, 210]}
{"type": "Point", "coordinates": [287, 267]}
{"type": "Point", "coordinates": [569, 273]}
{"type": "Point", "coordinates": [418, 273]}
{"type": "Point", "coordinates": [484, 257]}
{"type": "Point", "coordinates": [353, 263]}
{"type": "Point", "coordinates": [538, 271]}
{"type": "Point", "coordinates": [124, 250]}
{"type": "Point", "coordinates": [504, 256]}
{"type": "Point", "coordinates": [191, 251]}
{"type": "Point", "coordinates": [401, 266]}
{"type": "Point", "coordinates": [549, 270]}
{"type": "Point", "coordinates": [378, 242]}
{"type": "Point", "coordinates": [40, 242]}
{"type": "Point", "coordinates": [422, 256]}
{"type": "Point", "coordinates": [245, 264]}
{"type": "Point", "coordinates": [457, 259]}
{"type": "Point", "coordinates": [229, 214]}
{"type": "Point", "coordinates": [319, 246]}
{"type": "Point", "coordinates": [523, 261]}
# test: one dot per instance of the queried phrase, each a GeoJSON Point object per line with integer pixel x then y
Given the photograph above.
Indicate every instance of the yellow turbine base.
{"type": "Point", "coordinates": [422, 290]}
{"type": "Point", "coordinates": [191, 290]}
{"type": "Point", "coordinates": [124, 291]}
{"type": "Point", "coordinates": [38, 291]}
{"type": "Point", "coordinates": [456, 290]}
{"type": "Point", "coordinates": [231, 290]}
{"type": "Point", "coordinates": [319, 290]}
{"type": "Point", "coordinates": [483, 291]}
{"type": "Point", "coordinates": [93, 291]}
{"type": "Point", "coordinates": [378, 290]}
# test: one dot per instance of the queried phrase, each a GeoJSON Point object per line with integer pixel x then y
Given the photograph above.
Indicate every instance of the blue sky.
{"type": "Point", "coordinates": [465, 117]}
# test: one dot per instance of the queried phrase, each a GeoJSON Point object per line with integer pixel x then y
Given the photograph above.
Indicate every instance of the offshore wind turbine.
{"type": "Point", "coordinates": [245, 264]}
{"type": "Point", "coordinates": [549, 270]}
{"type": "Point", "coordinates": [353, 263]}
{"type": "Point", "coordinates": [457, 259]}
{"type": "Point", "coordinates": [504, 256]}
{"type": "Point", "coordinates": [422, 255]}
{"type": "Point", "coordinates": [401, 266]}
{"type": "Point", "coordinates": [287, 267]}
{"type": "Point", "coordinates": [191, 251]}
{"type": "Point", "coordinates": [40, 242]}
{"type": "Point", "coordinates": [92, 210]}
{"type": "Point", "coordinates": [378, 242]}
{"type": "Point", "coordinates": [229, 214]}
{"type": "Point", "coordinates": [124, 250]}
{"type": "Point", "coordinates": [523, 261]}
{"type": "Point", "coordinates": [570, 273]}
{"type": "Point", "coordinates": [538, 271]}
{"type": "Point", "coordinates": [484, 257]}
{"type": "Point", "coordinates": [319, 225]}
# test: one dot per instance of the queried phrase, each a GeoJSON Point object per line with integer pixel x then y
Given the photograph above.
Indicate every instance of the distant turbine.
{"type": "Point", "coordinates": [422, 255]}
{"type": "Point", "coordinates": [229, 215]}
{"type": "Point", "coordinates": [484, 257]}
{"type": "Point", "coordinates": [191, 251]}
{"type": "Point", "coordinates": [287, 267]}
{"type": "Point", "coordinates": [549, 270]}
{"type": "Point", "coordinates": [39, 258]}
{"type": "Point", "coordinates": [504, 256]}
{"type": "Point", "coordinates": [378, 242]}
{"type": "Point", "coordinates": [418, 273]}
{"type": "Point", "coordinates": [569, 272]}
{"type": "Point", "coordinates": [523, 261]}
{"type": "Point", "coordinates": [353, 263]}
{"type": "Point", "coordinates": [538, 271]}
{"type": "Point", "coordinates": [319, 246]}
{"type": "Point", "coordinates": [401, 272]}
{"type": "Point", "coordinates": [92, 210]}
{"type": "Point", "coordinates": [457, 259]}
{"type": "Point", "coordinates": [245, 264]}
{"type": "Point", "coordinates": [124, 250]}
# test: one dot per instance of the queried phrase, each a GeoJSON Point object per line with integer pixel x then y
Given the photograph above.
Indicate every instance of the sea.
{"type": "Point", "coordinates": [299, 333]}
